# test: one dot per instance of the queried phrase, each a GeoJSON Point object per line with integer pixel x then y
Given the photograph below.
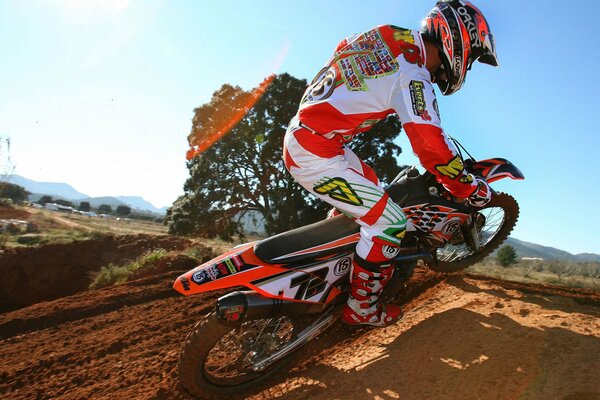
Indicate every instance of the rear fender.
{"type": "Point", "coordinates": [316, 282]}
{"type": "Point", "coordinates": [495, 169]}
{"type": "Point", "coordinates": [237, 267]}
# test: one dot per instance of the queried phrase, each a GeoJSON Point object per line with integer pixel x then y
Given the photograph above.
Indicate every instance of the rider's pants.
{"type": "Point", "coordinates": [333, 173]}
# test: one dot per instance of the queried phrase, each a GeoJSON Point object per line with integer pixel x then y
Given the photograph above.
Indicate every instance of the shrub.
{"type": "Point", "coordinates": [115, 274]}
{"type": "Point", "coordinates": [506, 256]}
{"type": "Point", "coordinates": [201, 254]}
{"type": "Point", "coordinates": [110, 275]}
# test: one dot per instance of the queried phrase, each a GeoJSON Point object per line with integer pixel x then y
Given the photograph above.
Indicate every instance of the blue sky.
{"type": "Point", "coordinates": [100, 93]}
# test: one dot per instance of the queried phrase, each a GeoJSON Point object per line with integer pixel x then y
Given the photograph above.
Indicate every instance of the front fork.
{"type": "Point", "coordinates": [470, 232]}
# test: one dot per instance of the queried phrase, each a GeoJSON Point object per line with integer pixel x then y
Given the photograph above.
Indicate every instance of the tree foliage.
{"type": "Point", "coordinates": [45, 199]}
{"type": "Point", "coordinates": [244, 170]}
{"type": "Point", "coordinates": [16, 193]}
{"type": "Point", "coordinates": [105, 209]}
{"type": "Point", "coordinates": [506, 256]}
{"type": "Point", "coordinates": [123, 210]}
{"type": "Point", "coordinates": [65, 203]}
{"type": "Point", "coordinates": [85, 206]}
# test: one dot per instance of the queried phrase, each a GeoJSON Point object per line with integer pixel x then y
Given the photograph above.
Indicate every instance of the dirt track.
{"type": "Point", "coordinates": [462, 338]}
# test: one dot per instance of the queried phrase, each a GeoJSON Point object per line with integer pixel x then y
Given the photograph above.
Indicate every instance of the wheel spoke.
{"type": "Point", "coordinates": [494, 219]}
{"type": "Point", "coordinates": [230, 360]}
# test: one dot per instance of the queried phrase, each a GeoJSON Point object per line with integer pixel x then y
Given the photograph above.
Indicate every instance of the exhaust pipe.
{"type": "Point", "coordinates": [248, 305]}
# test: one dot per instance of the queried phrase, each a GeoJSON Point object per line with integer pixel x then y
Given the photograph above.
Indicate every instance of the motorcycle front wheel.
{"type": "Point", "coordinates": [494, 223]}
{"type": "Point", "coordinates": [216, 361]}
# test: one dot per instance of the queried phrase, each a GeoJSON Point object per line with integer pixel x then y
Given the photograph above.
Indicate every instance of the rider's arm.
{"type": "Point", "coordinates": [415, 103]}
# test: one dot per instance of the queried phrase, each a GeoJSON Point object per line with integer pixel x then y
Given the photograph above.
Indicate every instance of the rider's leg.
{"type": "Point", "coordinates": [369, 276]}
{"type": "Point", "coordinates": [336, 175]}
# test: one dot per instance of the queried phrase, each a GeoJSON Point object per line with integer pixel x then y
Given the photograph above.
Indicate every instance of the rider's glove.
{"type": "Point", "coordinates": [482, 195]}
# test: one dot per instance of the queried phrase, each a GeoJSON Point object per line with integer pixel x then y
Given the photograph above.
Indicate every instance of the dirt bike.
{"type": "Point", "coordinates": [298, 280]}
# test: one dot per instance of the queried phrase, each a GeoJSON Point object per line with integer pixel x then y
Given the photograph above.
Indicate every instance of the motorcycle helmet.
{"type": "Point", "coordinates": [462, 35]}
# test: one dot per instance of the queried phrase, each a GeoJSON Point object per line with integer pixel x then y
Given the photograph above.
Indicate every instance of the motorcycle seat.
{"type": "Point", "coordinates": [323, 238]}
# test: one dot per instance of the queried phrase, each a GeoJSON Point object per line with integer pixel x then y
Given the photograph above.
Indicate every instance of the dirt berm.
{"type": "Point", "coordinates": [31, 275]}
{"type": "Point", "coordinates": [462, 337]}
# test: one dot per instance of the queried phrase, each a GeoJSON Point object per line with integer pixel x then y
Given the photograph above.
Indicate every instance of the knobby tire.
{"type": "Point", "coordinates": [511, 214]}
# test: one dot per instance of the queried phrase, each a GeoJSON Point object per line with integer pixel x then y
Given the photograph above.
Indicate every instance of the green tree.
{"type": "Point", "coordinates": [244, 170]}
{"type": "Point", "coordinates": [45, 199]}
{"type": "Point", "coordinates": [123, 210]}
{"type": "Point", "coordinates": [104, 209]}
{"type": "Point", "coordinates": [85, 206]}
{"type": "Point", "coordinates": [506, 256]}
{"type": "Point", "coordinates": [66, 203]}
{"type": "Point", "coordinates": [16, 193]}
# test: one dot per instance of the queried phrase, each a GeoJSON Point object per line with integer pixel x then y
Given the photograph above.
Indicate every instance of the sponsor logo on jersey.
{"type": "Point", "coordinates": [403, 35]}
{"type": "Point", "coordinates": [338, 189]}
{"type": "Point", "coordinates": [417, 96]}
{"type": "Point", "coordinates": [322, 86]}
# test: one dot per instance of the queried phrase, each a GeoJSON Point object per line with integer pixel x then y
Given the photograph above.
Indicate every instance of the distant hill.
{"type": "Point", "coordinates": [67, 192]}
{"type": "Point", "coordinates": [98, 201]}
{"type": "Point", "coordinates": [61, 190]}
{"type": "Point", "coordinates": [527, 249]}
{"type": "Point", "coordinates": [141, 204]}
{"type": "Point", "coordinates": [588, 257]}
{"type": "Point", "coordinates": [135, 202]}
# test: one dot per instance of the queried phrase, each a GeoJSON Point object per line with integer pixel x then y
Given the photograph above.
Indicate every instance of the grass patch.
{"type": "Point", "coordinates": [119, 274]}
{"type": "Point", "coordinates": [199, 253]}
{"type": "Point", "coordinates": [110, 275]}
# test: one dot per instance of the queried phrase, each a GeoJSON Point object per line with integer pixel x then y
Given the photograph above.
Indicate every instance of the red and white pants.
{"type": "Point", "coordinates": [333, 173]}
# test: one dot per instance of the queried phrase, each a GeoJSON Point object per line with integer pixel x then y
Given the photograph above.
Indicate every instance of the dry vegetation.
{"type": "Point", "coordinates": [585, 275]}
{"type": "Point", "coordinates": [50, 227]}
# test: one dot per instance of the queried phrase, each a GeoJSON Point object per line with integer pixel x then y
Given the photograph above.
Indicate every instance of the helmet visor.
{"type": "Point", "coordinates": [489, 51]}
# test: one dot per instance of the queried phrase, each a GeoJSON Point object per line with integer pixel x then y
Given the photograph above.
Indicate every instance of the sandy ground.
{"type": "Point", "coordinates": [462, 338]}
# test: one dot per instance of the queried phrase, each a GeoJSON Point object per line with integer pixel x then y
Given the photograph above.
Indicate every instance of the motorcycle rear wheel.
{"type": "Point", "coordinates": [501, 215]}
{"type": "Point", "coordinates": [216, 359]}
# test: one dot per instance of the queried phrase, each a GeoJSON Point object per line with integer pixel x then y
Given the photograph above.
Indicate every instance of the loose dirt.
{"type": "Point", "coordinates": [12, 213]}
{"type": "Point", "coordinates": [462, 337]}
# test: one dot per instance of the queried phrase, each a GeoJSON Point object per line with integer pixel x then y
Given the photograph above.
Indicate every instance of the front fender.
{"type": "Point", "coordinates": [494, 169]}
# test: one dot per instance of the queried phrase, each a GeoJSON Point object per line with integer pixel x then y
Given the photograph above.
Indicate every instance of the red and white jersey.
{"type": "Point", "coordinates": [374, 74]}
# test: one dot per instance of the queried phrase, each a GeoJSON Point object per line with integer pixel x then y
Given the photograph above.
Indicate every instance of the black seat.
{"type": "Point", "coordinates": [308, 241]}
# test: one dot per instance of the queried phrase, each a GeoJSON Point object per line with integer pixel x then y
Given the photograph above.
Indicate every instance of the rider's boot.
{"type": "Point", "coordinates": [363, 306]}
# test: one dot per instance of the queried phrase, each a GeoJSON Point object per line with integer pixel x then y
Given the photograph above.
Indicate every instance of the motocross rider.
{"type": "Point", "coordinates": [373, 74]}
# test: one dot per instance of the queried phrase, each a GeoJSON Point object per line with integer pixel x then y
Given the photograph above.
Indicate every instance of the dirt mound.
{"type": "Point", "coordinates": [31, 275]}
{"type": "Point", "coordinates": [7, 212]}
{"type": "Point", "coordinates": [462, 337]}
